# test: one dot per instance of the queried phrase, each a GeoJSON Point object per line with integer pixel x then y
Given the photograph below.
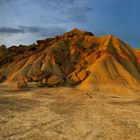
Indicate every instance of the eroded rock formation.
{"type": "Point", "coordinates": [75, 58]}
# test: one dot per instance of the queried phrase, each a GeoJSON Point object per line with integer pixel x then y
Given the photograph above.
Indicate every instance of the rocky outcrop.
{"type": "Point", "coordinates": [75, 58]}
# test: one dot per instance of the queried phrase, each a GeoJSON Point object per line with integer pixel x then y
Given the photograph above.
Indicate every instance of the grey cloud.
{"type": "Point", "coordinates": [66, 6]}
{"type": "Point", "coordinates": [70, 6]}
{"type": "Point", "coordinates": [73, 11]}
{"type": "Point", "coordinates": [30, 29]}
{"type": "Point", "coordinates": [77, 10]}
{"type": "Point", "coordinates": [59, 4]}
{"type": "Point", "coordinates": [77, 18]}
{"type": "Point", "coordinates": [70, 11]}
{"type": "Point", "coordinates": [11, 30]}
{"type": "Point", "coordinates": [40, 31]}
{"type": "Point", "coordinates": [43, 31]}
{"type": "Point", "coordinates": [4, 1]}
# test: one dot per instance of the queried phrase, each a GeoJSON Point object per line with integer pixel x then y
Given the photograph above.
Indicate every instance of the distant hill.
{"type": "Point", "coordinates": [74, 58]}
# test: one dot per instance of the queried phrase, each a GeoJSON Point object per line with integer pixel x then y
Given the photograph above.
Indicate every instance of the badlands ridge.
{"type": "Point", "coordinates": [76, 58]}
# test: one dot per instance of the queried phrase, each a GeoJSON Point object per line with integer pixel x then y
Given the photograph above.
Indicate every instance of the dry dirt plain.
{"type": "Point", "coordinates": [67, 114]}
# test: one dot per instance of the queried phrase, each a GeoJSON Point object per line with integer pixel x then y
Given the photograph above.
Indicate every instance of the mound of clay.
{"type": "Point", "coordinates": [75, 58]}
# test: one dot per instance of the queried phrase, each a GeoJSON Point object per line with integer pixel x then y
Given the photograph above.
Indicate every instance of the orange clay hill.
{"type": "Point", "coordinates": [76, 58]}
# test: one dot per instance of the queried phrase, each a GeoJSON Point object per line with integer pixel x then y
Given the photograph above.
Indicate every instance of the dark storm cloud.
{"type": "Point", "coordinates": [41, 31]}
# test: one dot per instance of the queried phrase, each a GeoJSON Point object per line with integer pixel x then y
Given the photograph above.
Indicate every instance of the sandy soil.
{"type": "Point", "coordinates": [67, 114]}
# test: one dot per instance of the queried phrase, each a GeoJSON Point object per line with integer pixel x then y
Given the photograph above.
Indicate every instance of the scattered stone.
{"type": "Point", "coordinates": [54, 80]}
{"type": "Point", "coordinates": [21, 84]}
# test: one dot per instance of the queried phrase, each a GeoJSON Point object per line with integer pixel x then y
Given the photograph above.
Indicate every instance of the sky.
{"type": "Point", "coordinates": [25, 21]}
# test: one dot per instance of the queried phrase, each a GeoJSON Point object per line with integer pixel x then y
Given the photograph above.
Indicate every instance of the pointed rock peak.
{"type": "Point", "coordinates": [77, 31]}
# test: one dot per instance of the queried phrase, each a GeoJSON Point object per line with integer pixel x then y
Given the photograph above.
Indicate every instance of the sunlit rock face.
{"type": "Point", "coordinates": [74, 58]}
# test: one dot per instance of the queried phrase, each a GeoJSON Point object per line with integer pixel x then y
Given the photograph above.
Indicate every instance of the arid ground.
{"type": "Point", "coordinates": [67, 114]}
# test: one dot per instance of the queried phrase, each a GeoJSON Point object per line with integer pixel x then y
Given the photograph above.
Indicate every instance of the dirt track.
{"type": "Point", "coordinates": [67, 114]}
